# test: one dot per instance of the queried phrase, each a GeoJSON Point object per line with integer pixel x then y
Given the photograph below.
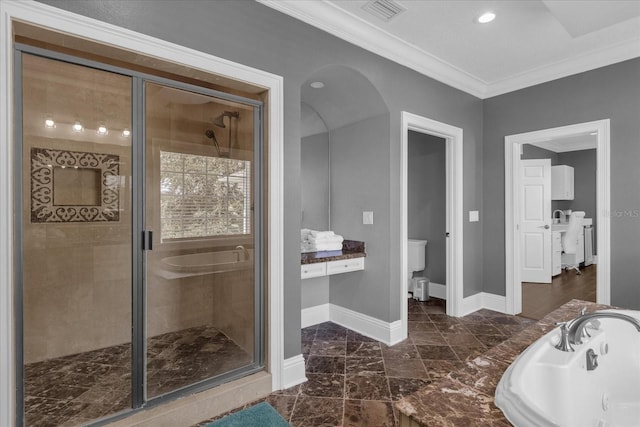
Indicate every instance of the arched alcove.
{"type": "Point", "coordinates": [354, 152]}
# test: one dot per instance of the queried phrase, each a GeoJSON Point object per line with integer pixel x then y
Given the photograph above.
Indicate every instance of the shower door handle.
{"type": "Point", "coordinates": [147, 240]}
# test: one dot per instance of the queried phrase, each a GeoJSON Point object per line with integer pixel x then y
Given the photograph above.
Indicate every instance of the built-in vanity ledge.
{"type": "Point", "coordinates": [324, 263]}
{"type": "Point", "coordinates": [466, 396]}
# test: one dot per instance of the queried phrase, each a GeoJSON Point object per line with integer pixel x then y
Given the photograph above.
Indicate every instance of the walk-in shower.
{"type": "Point", "coordinates": [139, 243]}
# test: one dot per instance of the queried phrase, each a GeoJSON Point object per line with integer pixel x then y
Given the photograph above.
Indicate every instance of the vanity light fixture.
{"type": "Point", "coordinates": [49, 123]}
{"type": "Point", "coordinates": [316, 85]}
{"type": "Point", "coordinates": [486, 17]}
{"type": "Point", "coordinates": [77, 127]}
{"type": "Point", "coordinates": [126, 132]}
{"type": "Point", "coordinates": [102, 130]}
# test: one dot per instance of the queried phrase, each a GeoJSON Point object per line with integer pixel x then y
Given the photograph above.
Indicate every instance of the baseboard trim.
{"type": "Point", "coordinates": [314, 315]}
{"type": "Point", "coordinates": [293, 371]}
{"type": "Point", "coordinates": [387, 332]}
{"type": "Point", "coordinates": [483, 300]}
{"type": "Point", "coordinates": [438, 290]}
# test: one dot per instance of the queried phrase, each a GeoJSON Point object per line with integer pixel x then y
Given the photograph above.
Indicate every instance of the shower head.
{"type": "Point", "coordinates": [219, 121]}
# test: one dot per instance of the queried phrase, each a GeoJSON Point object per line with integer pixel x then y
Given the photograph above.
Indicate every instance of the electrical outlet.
{"type": "Point", "coordinates": [474, 216]}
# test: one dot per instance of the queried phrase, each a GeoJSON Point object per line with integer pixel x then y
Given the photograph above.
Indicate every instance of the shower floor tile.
{"type": "Point", "coordinates": [75, 389]}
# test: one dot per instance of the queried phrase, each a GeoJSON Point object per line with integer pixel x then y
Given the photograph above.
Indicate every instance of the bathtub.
{"type": "Point", "coordinates": [548, 387]}
{"type": "Point", "coordinates": [210, 262]}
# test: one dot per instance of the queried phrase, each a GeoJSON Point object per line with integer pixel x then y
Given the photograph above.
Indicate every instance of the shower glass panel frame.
{"type": "Point", "coordinates": [141, 238]}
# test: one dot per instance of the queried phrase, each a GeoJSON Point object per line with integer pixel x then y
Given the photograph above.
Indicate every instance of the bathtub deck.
{"type": "Point", "coordinates": [465, 397]}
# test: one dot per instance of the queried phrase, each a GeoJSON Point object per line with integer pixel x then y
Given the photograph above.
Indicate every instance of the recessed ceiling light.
{"type": "Point", "coordinates": [49, 123]}
{"type": "Point", "coordinates": [102, 130]}
{"type": "Point", "coordinates": [486, 17]}
{"type": "Point", "coordinates": [126, 132]}
{"type": "Point", "coordinates": [316, 85]}
{"type": "Point", "coordinates": [77, 127]}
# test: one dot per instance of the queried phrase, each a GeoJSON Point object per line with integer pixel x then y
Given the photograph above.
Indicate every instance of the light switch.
{"type": "Point", "coordinates": [474, 216]}
{"type": "Point", "coordinates": [367, 217]}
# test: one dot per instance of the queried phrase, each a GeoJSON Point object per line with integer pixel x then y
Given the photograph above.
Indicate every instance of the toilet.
{"type": "Point", "coordinates": [415, 261]}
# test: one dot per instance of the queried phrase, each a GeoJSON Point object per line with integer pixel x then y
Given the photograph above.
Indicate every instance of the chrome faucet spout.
{"type": "Point", "coordinates": [577, 325]}
{"type": "Point", "coordinates": [245, 251]}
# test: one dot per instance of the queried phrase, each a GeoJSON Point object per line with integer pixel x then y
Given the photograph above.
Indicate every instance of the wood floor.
{"type": "Point", "coordinates": [539, 299]}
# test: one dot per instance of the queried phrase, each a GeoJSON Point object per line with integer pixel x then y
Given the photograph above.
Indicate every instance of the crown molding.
{"type": "Point", "coordinates": [574, 65]}
{"type": "Point", "coordinates": [353, 29]}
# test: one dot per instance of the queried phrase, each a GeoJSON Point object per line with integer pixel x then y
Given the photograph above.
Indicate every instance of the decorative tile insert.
{"type": "Point", "coordinates": [73, 186]}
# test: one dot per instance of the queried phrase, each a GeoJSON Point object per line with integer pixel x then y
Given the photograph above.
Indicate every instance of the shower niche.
{"type": "Point", "coordinates": [122, 172]}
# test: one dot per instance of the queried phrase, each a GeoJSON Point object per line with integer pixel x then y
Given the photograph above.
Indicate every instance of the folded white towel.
{"type": "Point", "coordinates": [320, 234]}
{"type": "Point", "coordinates": [329, 247]}
{"type": "Point", "coordinates": [307, 246]}
{"type": "Point", "coordinates": [332, 239]}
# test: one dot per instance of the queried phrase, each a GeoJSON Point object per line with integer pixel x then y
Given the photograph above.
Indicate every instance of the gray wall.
{"type": "Point", "coordinates": [315, 291]}
{"type": "Point", "coordinates": [584, 170]}
{"type": "Point", "coordinates": [360, 182]}
{"type": "Point", "coordinates": [426, 194]}
{"type": "Point", "coordinates": [611, 92]}
{"type": "Point", "coordinates": [252, 34]}
{"type": "Point", "coordinates": [314, 176]}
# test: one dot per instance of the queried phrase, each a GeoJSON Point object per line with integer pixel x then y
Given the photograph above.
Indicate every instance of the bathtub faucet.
{"type": "Point", "coordinates": [245, 251]}
{"type": "Point", "coordinates": [575, 329]}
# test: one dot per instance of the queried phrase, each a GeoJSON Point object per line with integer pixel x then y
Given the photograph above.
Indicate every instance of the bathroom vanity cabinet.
{"type": "Point", "coordinates": [318, 264]}
{"type": "Point", "coordinates": [308, 271]}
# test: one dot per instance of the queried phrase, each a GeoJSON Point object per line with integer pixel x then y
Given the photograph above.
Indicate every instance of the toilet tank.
{"type": "Point", "coordinates": [416, 254]}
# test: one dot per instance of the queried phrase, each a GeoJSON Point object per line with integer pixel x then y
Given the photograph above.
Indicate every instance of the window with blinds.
{"type": "Point", "coordinates": [203, 196]}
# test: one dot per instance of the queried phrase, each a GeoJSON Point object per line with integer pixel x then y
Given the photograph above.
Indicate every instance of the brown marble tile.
{"type": "Point", "coordinates": [406, 368]}
{"type": "Point", "coordinates": [436, 352]}
{"type": "Point", "coordinates": [331, 335]}
{"type": "Point", "coordinates": [363, 349]}
{"type": "Point", "coordinates": [323, 385]}
{"type": "Point", "coordinates": [482, 329]}
{"type": "Point", "coordinates": [432, 338]}
{"type": "Point", "coordinates": [367, 385]}
{"type": "Point", "coordinates": [403, 350]}
{"type": "Point", "coordinates": [422, 326]}
{"type": "Point", "coordinates": [490, 340]}
{"type": "Point", "coordinates": [452, 328]}
{"type": "Point", "coordinates": [466, 353]}
{"type": "Point", "coordinates": [325, 365]}
{"type": "Point", "coordinates": [317, 411]}
{"type": "Point", "coordinates": [438, 369]}
{"type": "Point", "coordinates": [402, 387]}
{"type": "Point", "coordinates": [462, 339]}
{"type": "Point", "coordinates": [356, 365]}
{"type": "Point", "coordinates": [367, 413]}
{"type": "Point", "coordinates": [418, 316]}
{"type": "Point", "coordinates": [328, 348]}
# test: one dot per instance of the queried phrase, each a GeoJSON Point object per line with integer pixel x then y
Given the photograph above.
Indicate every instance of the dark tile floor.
{"type": "Point", "coordinates": [73, 390]}
{"type": "Point", "coordinates": [353, 380]}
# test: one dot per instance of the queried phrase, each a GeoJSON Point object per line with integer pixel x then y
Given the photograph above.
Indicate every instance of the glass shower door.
{"type": "Point", "coordinates": [75, 228]}
{"type": "Point", "coordinates": [202, 303]}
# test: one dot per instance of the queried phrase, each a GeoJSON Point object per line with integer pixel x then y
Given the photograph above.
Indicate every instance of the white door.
{"type": "Point", "coordinates": [535, 220]}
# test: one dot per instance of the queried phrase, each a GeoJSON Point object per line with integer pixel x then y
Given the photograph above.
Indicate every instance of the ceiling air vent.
{"type": "Point", "coordinates": [384, 9]}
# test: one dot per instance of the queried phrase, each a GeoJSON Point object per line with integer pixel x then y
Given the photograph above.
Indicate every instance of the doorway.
{"type": "Point", "coordinates": [454, 214]}
{"type": "Point", "coordinates": [563, 285]}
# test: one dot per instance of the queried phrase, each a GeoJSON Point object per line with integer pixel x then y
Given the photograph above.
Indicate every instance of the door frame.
{"type": "Point", "coordinates": [75, 25]}
{"type": "Point", "coordinates": [454, 213]}
{"type": "Point", "coordinates": [513, 150]}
